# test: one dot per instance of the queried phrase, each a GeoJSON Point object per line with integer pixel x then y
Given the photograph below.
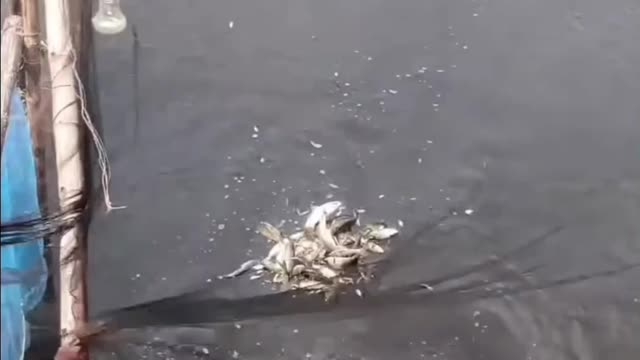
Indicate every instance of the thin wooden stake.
{"type": "Point", "coordinates": [11, 54]}
{"type": "Point", "coordinates": [68, 138]}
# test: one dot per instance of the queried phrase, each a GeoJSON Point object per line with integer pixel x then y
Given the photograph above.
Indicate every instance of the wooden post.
{"type": "Point", "coordinates": [11, 54]}
{"type": "Point", "coordinates": [38, 109]}
{"type": "Point", "coordinates": [68, 131]}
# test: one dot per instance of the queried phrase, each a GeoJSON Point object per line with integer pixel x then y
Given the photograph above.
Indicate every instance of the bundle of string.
{"type": "Point", "coordinates": [35, 228]}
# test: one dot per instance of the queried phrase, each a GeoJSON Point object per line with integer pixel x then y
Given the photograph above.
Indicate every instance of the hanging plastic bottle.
{"type": "Point", "coordinates": [109, 19]}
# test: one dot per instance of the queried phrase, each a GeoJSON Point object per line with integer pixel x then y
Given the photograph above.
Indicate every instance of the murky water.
{"type": "Point", "coordinates": [502, 136]}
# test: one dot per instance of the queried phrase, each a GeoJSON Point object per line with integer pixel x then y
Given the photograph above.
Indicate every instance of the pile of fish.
{"type": "Point", "coordinates": [325, 254]}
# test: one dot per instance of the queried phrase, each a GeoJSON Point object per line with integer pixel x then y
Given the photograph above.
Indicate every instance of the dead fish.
{"type": "Point", "coordinates": [274, 252]}
{"type": "Point", "coordinates": [343, 223]}
{"type": "Point", "coordinates": [298, 269]}
{"type": "Point", "coordinates": [339, 262]}
{"type": "Point", "coordinates": [348, 239]}
{"type": "Point", "coordinates": [324, 234]}
{"type": "Point", "coordinates": [297, 236]}
{"type": "Point", "coordinates": [270, 265]}
{"type": "Point", "coordinates": [310, 285]}
{"type": "Point", "coordinates": [315, 254]}
{"type": "Point", "coordinates": [344, 252]}
{"type": "Point", "coordinates": [285, 256]}
{"type": "Point", "coordinates": [328, 209]}
{"type": "Point", "coordinates": [375, 248]}
{"type": "Point", "coordinates": [303, 246]}
{"type": "Point", "coordinates": [325, 271]}
{"type": "Point", "coordinates": [270, 232]}
{"type": "Point", "coordinates": [382, 234]}
{"type": "Point", "coordinates": [373, 227]}
{"type": "Point", "coordinates": [246, 266]}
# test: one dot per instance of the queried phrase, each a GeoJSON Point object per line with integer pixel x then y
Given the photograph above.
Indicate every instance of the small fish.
{"type": "Point", "coordinates": [271, 265]}
{"type": "Point", "coordinates": [324, 234]}
{"type": "Point", "coordinates": [310, 285]}
{"type": "Point", "coordinates": [285, 257]}
{"type": "Point", "coordinates": [382, 234]}
{"type": "Point", "coordinates": [375, 248]}
{"type": "Point", "coordinates": [343, 223]}
{"type": "Point", "coordinates": [325, 271]}
{"type": "Point", "coordinates": [274, 252]}
{"type": "Point", "coordinates": [246, 266]}
{"type": "Point", "coordinates": [298, 269]}
{"type": "Point", "coordinates": [339, 262]}
{"type": "Point", "coordinates": [304, 249]}
{"type": "Point", "coordinates": [344, 252]}
{"type": "Point", "coordinates": [296, 236]}
{"type": "Point", "coordinates": [328, 209]}
{"type": "Point", "coordinates": [314, 255]}
{"type": "Point", "coordinates": [270, 232]}
{"type": "Point", "coordinates": [373, 227]}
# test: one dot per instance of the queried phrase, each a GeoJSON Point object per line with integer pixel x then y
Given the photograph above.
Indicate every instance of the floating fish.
{"type": "Point", "coordinates": [382, 234]}
{"type": "Point", "coordinates": [320, 258]}
{"type": "Point", "coordinates": [328, 209]}
{"type": "Point", "coordinates": [270, 232]}
{"type": "Point", "coordinates": [343, 223]}
{"type": "Point", "coordinates": [375, 248]}
{"type": "Point", "coordinates": [246, 266]}
{"type": "Point", "coordinates": [324, 234]}
{"type": "Point", "coordinates": [285, 257]}
{"type": "Point", "coordinates": [339, 262]}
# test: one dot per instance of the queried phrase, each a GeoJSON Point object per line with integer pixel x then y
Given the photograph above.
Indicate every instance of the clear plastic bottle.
{"type": "Point", "coordinates": [109, 19]}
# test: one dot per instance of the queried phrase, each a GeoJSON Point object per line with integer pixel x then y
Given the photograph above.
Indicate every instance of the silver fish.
{"type": "Point", "coordinates": [271, 266]}
{"type": "Point", "coordinates": [328, 209]}
{"type": "Point", "coordinates": [310, 285]}
{"type": "Point", "coordinates": [382, 234]}
{"type": "Point", "coordinates": [339, 262]}
{"type": "Point", "coordinates": [324, 234]}
{"type": "Point", "coordinates": [298, 269]}
{"type": "Point", "coordinates": [348, 239]}
{"type": "Point", "coordinates": [375, 248]}
{"type": "Point", "coordinates": [246, 266]}
{"type": "Point", "coordinates": [343, 223]}
{"type": "Point", "coordinates": [285, 257]}
{"type": "Point", "coordinates": [343, 251]}
{"type": "Point", "coordinates": [270, 232]}
{"type": "Point", "coordinates": [297, 236]}
{"type": "Point", "coordinates": [274, 252]}
{"type": "Point", "coordinates": [325, 271]}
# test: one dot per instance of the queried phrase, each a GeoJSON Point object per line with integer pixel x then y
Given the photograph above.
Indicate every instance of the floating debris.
{"type": "Point", "coordinates": [315, 144]}
{"type": "Point", "coordinates": [231, 24]}
{"type": "Point", "coordinates": [326, 254]}
{"type": "Point", "coordinates": [469, 211]}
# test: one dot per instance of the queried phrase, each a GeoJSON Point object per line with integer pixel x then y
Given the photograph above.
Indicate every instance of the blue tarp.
{"type": "Point", "coordinates": [24, 272]}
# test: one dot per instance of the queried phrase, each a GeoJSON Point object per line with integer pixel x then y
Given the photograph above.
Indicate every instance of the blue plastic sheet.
{"type": "Point", "coordinates": [24, 272]}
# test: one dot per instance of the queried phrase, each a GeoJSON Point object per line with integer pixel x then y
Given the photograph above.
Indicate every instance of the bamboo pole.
{"type": "Point", "coordinates": [38, 110]}
{"type": "Point", "coordinates": [11, 54]}
{"type": "Point", "coordinates": [68, 139]}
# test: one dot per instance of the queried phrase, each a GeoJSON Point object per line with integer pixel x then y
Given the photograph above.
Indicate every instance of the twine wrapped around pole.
{"type": "Point", "coordinates": [68, 129]}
